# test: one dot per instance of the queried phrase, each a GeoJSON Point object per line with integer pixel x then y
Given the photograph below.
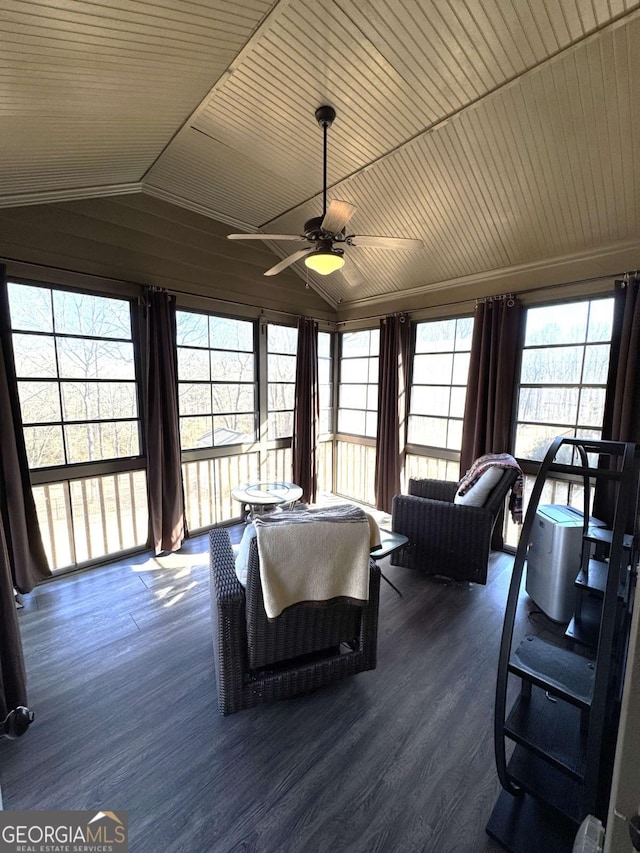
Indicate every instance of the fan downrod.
{"type": "Point", "coordinates": [325, 115]}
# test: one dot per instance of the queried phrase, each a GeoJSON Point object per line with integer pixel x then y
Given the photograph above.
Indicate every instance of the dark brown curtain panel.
{"type": "Point", "coordinates": [393, 385]}
{"type": "Point", "coordinates": [13, 681]}
{"type": "Point", "coordinates": [307, 411]}
{"type": "Point", "coordinates": [27, 558]}
{"type": "Point", "coordinates": [490, 386]}
{"type": "Point", "coordinates": [621, 421]}
{"type": "Point", "coordinates": [167, 528]}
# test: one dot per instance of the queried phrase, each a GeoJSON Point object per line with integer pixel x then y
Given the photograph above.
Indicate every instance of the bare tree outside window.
{"type": "Point", "coordinates": [439, 382]}
{"type": "Point", "coordinates": [325, 383]}
{"type": "Point", "coordinates": [282, 346]}
{"type": "Point", "coordinates": [565, 361]}
{"type": "Point", "coordinates": [76, 375]}
{"type": "Point", "coordinates": [77, 388]}
{"type": "Point", "coordinates": [216, 380]}
{"type": "Point", "coordinates": [358, 387]}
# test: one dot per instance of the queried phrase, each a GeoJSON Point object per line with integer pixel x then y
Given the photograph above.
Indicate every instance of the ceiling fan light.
{"type": "Point", "coordinates": [324, 262]}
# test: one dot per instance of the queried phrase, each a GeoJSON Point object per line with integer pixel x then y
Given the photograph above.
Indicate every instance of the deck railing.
{"type": "Point", "coordinates": [355, 471]}
{"type": "Point", "coordinates": [86, 519]}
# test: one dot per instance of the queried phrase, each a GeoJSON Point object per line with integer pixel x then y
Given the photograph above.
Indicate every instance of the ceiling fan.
{"type": "Point", "coordinates": [325, 235]}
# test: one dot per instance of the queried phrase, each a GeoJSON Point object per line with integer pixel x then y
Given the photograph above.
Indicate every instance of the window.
{"type": "Point", "coordinates": [76, 375]}
{"type": "Point", "coordinates": [358, 391]}
{"type": "Point", "coordinates": [282, 346]}
{"type": "Point", "coordinates": [325, 382]}
{"type": "Point", "coordinates": [216, 380]}
{"type": "Point", "coordinates": [439, 383]}
{"type": "Point", "coordinates": [565, 362]}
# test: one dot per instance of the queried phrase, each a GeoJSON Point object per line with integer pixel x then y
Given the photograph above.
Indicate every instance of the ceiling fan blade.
{"type": "Point", "coordinates": [291, 259]}
{"type": "Point", "coordinates": [298, 237]}
{"type": "Point", "coordinates": [337, 215]}
{"type": "Point", "coordinates": [352, 274]}
{"type": "Point", "coordinates": [408, 243]}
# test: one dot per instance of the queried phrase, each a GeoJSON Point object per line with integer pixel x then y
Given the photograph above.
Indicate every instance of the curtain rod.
{"type": "Point", "coordinates": [472, 301]}
{"type": "Point", "coordinates": [172, 291]}
{"type": "Point", "coordinates": [296, 315]}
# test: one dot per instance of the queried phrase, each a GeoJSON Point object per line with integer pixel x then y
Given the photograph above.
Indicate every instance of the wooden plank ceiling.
{"type": "Point", "coordinates": [503, 134]}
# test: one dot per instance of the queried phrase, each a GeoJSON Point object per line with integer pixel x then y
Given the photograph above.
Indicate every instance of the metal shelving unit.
{"type": "Point", "coordinates": [563, 723]}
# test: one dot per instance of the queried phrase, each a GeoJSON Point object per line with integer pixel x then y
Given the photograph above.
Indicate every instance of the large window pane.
{"type": "Point", "coordinates": [90, 359]}
{"type": "Point", "coordinates": [325, 383]}
{"type": "Point", "coordinates": [559, 365]}
{"type": "Point", "coordinates": [439, 383]}
{"type": "Point", "coordinates": [562, 387]}
{"type": "Point", "coordinates": [436, 337]}
{"type": "Point", "coordinates": [428, 431]}
{"type": "Point", "coordinates": [192, 330]}
{"type": "Point", "coordinates": [216, 376]}
{"type": "Point", "coordinates": [194, 399]}
{"type": "Point", "coordinates": [354, 370]}
{"type": "Point", "coordinates": [282, 345]}
{"type": "Point", "coordinates": [280, 425]}
{"type": "Point", "coordinates": [196, 432]}
{"type": "Point", "coordinates": [193, 365]}
{"type": "Point", "coordinates": [88, 377]}
{"type": "Point", "coordinates": [88, 315]}
{"type": "Point", "coordinates": [39, 402]}
{"type": "Point", "coordinates": [282, 368]}
{"type": "Point", "coordinates": [34, 356]}
{"type": "Point", "coordinates": [358, 387]}
{"type": "Point", "coordinates": [591, 406]}
{"type": "Point", "coordinates": [44, 446]}
{"type": "Point", "coordinates": [228, 334]}
{"type": "Point", "coordinates": [233, 429]}
{"type": "Point", "coordinates": [233, 398]}
{"type": "Point", "coordinates": [431, 400]}
{"type": "Point", "coordinates": [353, 396]}
{"type": "Point", "coordinates": [281, 396]}
{"type": "Point", "coordinates": [232, 366]}
{"type": "Point", "coordinates": [600, 320]}
{"type": "Point", "coordinates": [30, 308]}
{"type": "Point", "coordinates": [87, 401]}
{"type": "Point", "coordinates": [548, 405]}
{"type": "Point", "coordinates": [353, 422]}
{"type": "Point", "coordinates": [557, 324]}
{"type": "Point", "coordinates": [356, 344]}
{"type": "Point", "coordinates": [596, 364]}
{"type": "Point", "coordinates": [282, 339]}
{"type": "Point", "coordinates": [105, 440]}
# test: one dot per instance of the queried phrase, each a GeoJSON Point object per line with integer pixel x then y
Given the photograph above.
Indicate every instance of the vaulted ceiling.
{"type": "Point", "coordinates": [504, 134]}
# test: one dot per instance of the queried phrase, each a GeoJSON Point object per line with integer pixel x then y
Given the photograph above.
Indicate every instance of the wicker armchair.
{"type": "Point", "coordinates": [304, 648]}
{"type": "Point", "coordinates": [445, 538]}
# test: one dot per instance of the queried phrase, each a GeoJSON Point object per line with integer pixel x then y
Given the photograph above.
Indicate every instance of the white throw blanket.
{"type": "Point", "coordinates": [313, 555]}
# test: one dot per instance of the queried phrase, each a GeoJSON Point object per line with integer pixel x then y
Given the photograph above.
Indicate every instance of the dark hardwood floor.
{"type": "Point", "coordinates": [122, 683]}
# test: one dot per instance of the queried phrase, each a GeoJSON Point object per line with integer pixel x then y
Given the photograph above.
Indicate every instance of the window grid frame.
{"type": "Point", "coordinates": [59, 381]}
{"type": "Point", "coordinates": [436, 450]}
{"type": "Point", "coordinates": [373, 333]}
{"type": "Point", "coordinates": [271, 382]}
{"type": "Point", "coordinates": [576, 427]}
{"type": "Point", "coordinates": [209, 383]}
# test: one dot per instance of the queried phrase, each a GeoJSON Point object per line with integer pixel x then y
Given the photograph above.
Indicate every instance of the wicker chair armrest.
{"type": "Point", "coordinates": [225, 585]}
{"type": "Point", "coordinates": [228, 616]}
{"type": "Point", "coordinates": [440, 490]}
